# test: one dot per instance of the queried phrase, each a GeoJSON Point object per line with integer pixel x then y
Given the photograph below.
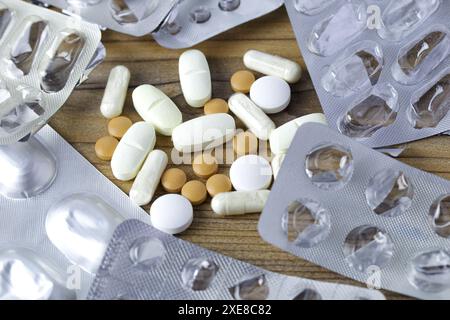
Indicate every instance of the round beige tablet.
{"type": "Point", "coordinates": [173, 180]}
{"type": "Point", "coordinates": [245, 143]}
{"type": "Point", "coordinates": [195, 192]}
{"type": "Point", "coordinates": [242, 81]}
{"type": "Point", "coordinates": [205, 165]}
{"type": "Point", "coordinates": [218, 183]}
{"type": "Point", "coordinates": [105, 147]}
{"type": "Point", "coordinates": [216, 106]}
{"type": "Point", "coordinates": [118, 126]}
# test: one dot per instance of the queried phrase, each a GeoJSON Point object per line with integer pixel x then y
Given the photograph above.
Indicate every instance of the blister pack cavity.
{"type": "Point", "coordinates": [380, 68]}
{"type": "Point", "coordinates": [357, 212]}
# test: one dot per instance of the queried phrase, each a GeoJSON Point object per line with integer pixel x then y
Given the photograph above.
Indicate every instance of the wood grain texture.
{"type": "Point", "coordinates": [81, 123]}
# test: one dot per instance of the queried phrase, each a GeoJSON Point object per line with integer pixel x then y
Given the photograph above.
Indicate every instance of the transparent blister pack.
{"type": "Point", "coordinates": [192, 21]}
{"type": "Point", "coordinates": [357, 212]}
{"type": "Point", "coordinates": [134, 17]}
{"type": "Point", "coordinates": [144, 263]}
{"type": "Point", "coordinates": [380, 67]}
{"type": "Point", "coordinates": [43, 56]}
{"type": "Point", "coordinates": [174, 24]}
{"type": "Point", "coordinates": [56, 222]}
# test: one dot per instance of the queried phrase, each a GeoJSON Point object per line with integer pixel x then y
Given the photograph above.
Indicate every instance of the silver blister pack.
{"type": "Point", "coordinates": [43, 56]}
{"type": "Point", "coordinates": [134, 17]}
{"type": "Point", "coordinates": [357, 212]}
{"type": "Point", "coordinates": [58, 214]}
{"type": "Point", "coordinates": [143, 263]}
{"type": "Point", "coordinates": [193, 21]}
{"type": "Point", "coordinates": [381, 68]}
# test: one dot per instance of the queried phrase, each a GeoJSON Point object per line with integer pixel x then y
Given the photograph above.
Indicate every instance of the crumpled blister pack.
{"type": "Point", "coordinates": [173, 23]}
{"type": "Point", "coordinates": [381, 68]}
{"type": "Point", "coordinates": [144, 263]}
{"type": "Point", "coordinates": [57, 236]}
{"type": "Point", "coordinates": [350, 209]}
{"type": "Point", "coordinates": [43, 56]}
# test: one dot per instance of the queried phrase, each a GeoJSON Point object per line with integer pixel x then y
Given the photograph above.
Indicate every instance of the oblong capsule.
{"type": "Point", "coordinates": [115, 92]}
{"type": "Point", "coordinates": [57, 64]}
{"type": "Point", "coordinates": [204, 132]}
{"type": "Point", "coordinates": [195, 78]}
{"type": "Point", "coordinates": [80, 226]}
{"type": "Point", "coordinates": [251, 115]}
{"type": "Point", "coordinates": [148, 178]}
{"type": "Point", "coordinates": [28, 276]}
{"type": "Point", "coordinates": [239, 202]}
{"type": "Point", "coordinates": [155, 107]}
{"type": "Point", "coordinates": [132, 151]}
{"type": "Point", "coordinates": [273, 65]}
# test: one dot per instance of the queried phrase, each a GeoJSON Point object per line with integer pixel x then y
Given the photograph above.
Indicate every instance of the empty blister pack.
{"type": "Point", "coordinates": [381, 68]}
{"type": "Point", "coordinates": [350, 209]}
{"type": "Point", "coordinates": [193, 21]}
{"type": "Point", "coordinates": [43, 56]}
{"type": "Point", "coordinates": [54, 239]}
{"type": "Point", "coordinates": [173, 23]}
{"type": "Point", "coordinates": [143, 263]}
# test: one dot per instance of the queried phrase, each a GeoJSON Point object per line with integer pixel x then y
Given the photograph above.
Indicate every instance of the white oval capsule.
{"type": "Point", "coordinates": [195, 78]}
{"type": "Point", "coordinates": [239, 202]}
{"type": "Point", "coordinates": [281, 138]}
{"type": "Point", "coordinates": [272, 65]}
{"type": "Point", "coordinates": [204, 132]}
{"type": "Point", "coordinates": [115, 92]}
{"type": "Point", "coordinates": [81, 226]}
{"type": "Point", "coordinates": [155, 107]}
{"type": "Point", "coordinates": [132, 151]}
{"type": "Point", "coordinates": [276, 163]}
{"type": "Point", "coordinates": [148, 178]}
{"type": "Point", "coordinates": [253, 117]}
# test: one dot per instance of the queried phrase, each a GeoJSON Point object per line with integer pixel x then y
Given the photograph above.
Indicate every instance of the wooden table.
{"type": "Point", "coordinates": [81, 123]}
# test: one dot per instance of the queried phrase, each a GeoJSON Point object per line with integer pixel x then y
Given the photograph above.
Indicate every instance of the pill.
{"type": "Point", "coordinates": [218, 183]}
{"type": "Point", "coordinates": [132, 151]}
{"type": "Point", "coordinates": [204, 132]}
{"type": "Point", "coordinates": [104, 147]}
{"type": "Point", "coordinates": [171, 213]}
{"type": "Point", "coordinates": [216, 106]}
{"type": "Point", "coordinates": [195, 192]}
{"type": "Point", "coordinates": [115, 92]}
{"type": "Point", "coordinates": [242, 81]}
{"type": "Point", "coordinates": [271, 94]}
{"type": "Point", "coordinates": [173, 180]}
{"type": "Point", "coordinates": [281, 138]}
{"type": "Point", "coordinates": [272, 65]}
{"type": "Point", "coordinates": [245, 143]}
{"type": "Point", "coordinates": [117, 127]}
{"type": "Point", "coordinates": [251, 115]}
{"type": "Point", "coordinates": [239, 202]}
{"type": "Point", "coordinates": [147, 180]}
{"type": "Point", "coordinates": [195, 78]}
{"type": "Point", "coordinates": [155, 107]}
{"type": "Point", "coordinates": [276, 163]}
{"type": "Point", "coordinates": [205, 165]}
{"type": "Point", "coordinates": [251, 173]}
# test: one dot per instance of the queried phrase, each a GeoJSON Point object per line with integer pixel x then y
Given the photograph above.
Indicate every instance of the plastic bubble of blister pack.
{"type": "Point", "coordinates": [377, 65]}
{"type": "Point", "coordinates": [56, 222]}
{"type": "Point", "coordinates": [388, 225]}
{"type": "Point", "coordinates": [173, 23]}
{"type": "Point", "coordinates": [43, 56]}
{"type": "Point", "coordinates": [143, 263]}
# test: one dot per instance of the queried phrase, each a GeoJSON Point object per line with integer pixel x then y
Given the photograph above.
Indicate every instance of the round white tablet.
{"type": "Point", "coordinates": [251, 173]}
{"type": "Point", "coordinates": [171, 213]}
{"type": "Point", "coordinates": [271, 94]}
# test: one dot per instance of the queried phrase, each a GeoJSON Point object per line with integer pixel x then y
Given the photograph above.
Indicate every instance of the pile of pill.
{"type": "Point", "coordinates": [130, 147]}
